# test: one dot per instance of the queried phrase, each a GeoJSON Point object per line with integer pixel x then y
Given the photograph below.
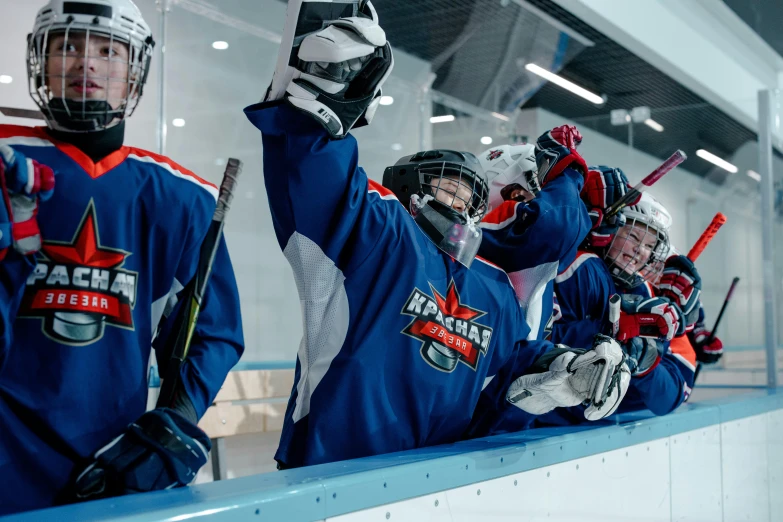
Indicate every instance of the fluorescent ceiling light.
{"type": "Point", "coordinates": [755, 175]}
{"type": "Point", "coordinates": [442, 119]}
{"type": "Point", "coordinates": [178, 122]}
{"type": "Point", "coordinates": [220, 45]}
{"type": "Point", "coordinates": [715, 160]}
{"type": "Point", "coordinates": [387, 100]}
{"type": "Point", "coordinates": [654, 125]}
{"type": "Point", "coordinates": [500, 116]}
{"type": "Point", "coordinates": [565, 84]}
{"type": "Point", "coordinates": [486, 140]}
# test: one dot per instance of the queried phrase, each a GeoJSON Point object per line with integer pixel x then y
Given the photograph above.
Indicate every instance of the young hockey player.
{"type": "Point", "coordinates": [663, 375]}
{"type": "Point", "coordinates": [634, 254]}
{"type": "Point", "coordinates": [403, 324]}
{"type": "Point", "coordinates": [92, 271]}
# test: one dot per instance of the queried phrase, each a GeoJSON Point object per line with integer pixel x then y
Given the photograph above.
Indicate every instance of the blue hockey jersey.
{"type": "Point", "coordinates": [399, 339]}
{"type": "Point", "coordinates": [121, 238]}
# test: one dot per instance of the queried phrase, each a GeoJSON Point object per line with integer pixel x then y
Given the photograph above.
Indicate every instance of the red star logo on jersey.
{"type": "Point", "coordinates": [85, 249]}
{"type": "Point", "coordinates": [79, 287]}
{"type": "Point", "coordinates": [451, 305]}
{"type": "Point", "coordinates": [447, 328]}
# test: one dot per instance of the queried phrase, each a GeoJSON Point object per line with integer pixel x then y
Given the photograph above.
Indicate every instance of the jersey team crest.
{"type": "Point", "coordinates": [78, 287]}
{"type": "Point", "coordinates": [447, 329]}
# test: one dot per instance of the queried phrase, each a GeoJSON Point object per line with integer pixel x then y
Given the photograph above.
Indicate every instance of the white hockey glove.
{"type": "Point", "coordinates": [598, 378]}
{"type": "Point", "coordinates": [333, 68]}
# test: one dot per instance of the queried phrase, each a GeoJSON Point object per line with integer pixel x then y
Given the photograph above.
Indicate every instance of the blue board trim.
{"type": "Point", "coordinates": [328, 490]}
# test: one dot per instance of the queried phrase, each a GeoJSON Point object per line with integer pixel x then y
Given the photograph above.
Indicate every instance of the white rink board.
{"type": "Point", "coordinates": [725, 472]}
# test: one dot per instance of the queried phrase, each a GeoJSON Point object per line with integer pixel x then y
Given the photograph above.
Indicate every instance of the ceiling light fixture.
{"type": "Point", "coordinates": [715, 160]}
{"type": "Point", "coordinates": [565, 84]}
{"type": "Point", "coordinates": [654, 125]}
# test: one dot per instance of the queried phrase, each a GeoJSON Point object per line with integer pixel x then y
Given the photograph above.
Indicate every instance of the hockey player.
{"type": "Point", "coordinates": [93, 273]}
{"type": "Point", "coordinates": [634, 254]}
{"type": "Point", "coordinates": [403, 324]}
{"type": "Point", "coordinates": [663, 376]}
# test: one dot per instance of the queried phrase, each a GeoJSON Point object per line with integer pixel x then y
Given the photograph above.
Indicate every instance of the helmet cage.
{"type": "Point", "coordinates": [432, 175]}
{"type": "Point", "coordinates": [632, 273]}
{"type": "Point", "coordinates": [86, 114]}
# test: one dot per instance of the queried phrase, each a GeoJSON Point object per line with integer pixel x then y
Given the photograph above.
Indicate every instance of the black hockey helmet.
{"type": "Point", "coordinates": [428, 184]}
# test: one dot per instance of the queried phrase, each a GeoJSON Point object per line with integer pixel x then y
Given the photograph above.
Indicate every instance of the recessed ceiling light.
{"type": "Point", "coordinates": [178, 122]}
{"type": "Point", "coordinates": [387, 100]}
{"type": "Point", "coordinates": [486, 140]}
{"type": "Point", "coordinates": [4, 78]}
{"type": "Point", "coordinates": [220, 45]}
{"type": "Point", "coordinates": [396, 146]}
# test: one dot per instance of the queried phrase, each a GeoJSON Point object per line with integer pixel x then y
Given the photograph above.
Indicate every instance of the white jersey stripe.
{"type": "Point", "coordinates": [146, 159]}
{"type": "Point", "coordinates": [26, 141]}
{"type": "Point", "coordinates": [568, 272]}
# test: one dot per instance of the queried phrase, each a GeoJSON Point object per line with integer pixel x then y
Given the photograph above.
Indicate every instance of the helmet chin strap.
{"type": "Point", "coordinates": [83, 116]}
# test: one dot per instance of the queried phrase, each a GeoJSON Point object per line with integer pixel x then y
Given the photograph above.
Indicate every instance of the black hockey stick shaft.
{"type": "Point", "coordinates": [179, 340]}
{"type": "Point", "coordinates": [722, 309]}
{"type": "Point", "coordinates": [717, 321]}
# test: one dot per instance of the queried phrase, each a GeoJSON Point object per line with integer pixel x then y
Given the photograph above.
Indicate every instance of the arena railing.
{"type": "Point", "coordinates": [712, 460]}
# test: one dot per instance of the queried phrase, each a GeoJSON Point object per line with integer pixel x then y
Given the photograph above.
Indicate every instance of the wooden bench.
{"type": "Point", "coordinates": [250, 401]}
{"type": "Point", "coordinates": [253, 399]}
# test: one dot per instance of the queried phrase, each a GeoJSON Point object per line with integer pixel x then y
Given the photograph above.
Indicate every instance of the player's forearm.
{"type": "Point", "coordinates": [662, 389]}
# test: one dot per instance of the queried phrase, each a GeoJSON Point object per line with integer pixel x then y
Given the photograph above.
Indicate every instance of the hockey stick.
{"type": "Point", "coordinates": [21, 113]}
{"type": "Point", "coordinates": [717, 322]}
{"type": "Point", "coordinates": [178, 343]}
{"type": "Point", "coordinates": [718, 221]}
{"type": "Point", "coordinates": [722, 309]}
{"type": "Point", "coordinates": [614, 314]}
{"type": "Point", "coordinates": [634, 193]}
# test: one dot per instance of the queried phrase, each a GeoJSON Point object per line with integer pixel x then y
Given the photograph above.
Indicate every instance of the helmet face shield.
{"type": "Point", "coordinates": [446, 192]}
{"type": "Point", "coordinates": [459, 240]}
{"type": "Point", "coordinates": [86, 72]}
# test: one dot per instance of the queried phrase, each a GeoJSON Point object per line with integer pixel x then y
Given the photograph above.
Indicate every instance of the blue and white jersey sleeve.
{"type": "Point", "coordinates": [217, 342]}
{"type": "Point", "coordinates": [532, 242]}
{"type": "Point", "coordinates": [322, 201]}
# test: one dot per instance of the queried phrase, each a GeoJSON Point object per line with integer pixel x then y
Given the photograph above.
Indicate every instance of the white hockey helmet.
{"type": "Point", "coordinates": [639, 250]}
{"type": "Point", "coordinates": [508, 165]}
{"type": "Point", "coordinates": [113, 20]}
